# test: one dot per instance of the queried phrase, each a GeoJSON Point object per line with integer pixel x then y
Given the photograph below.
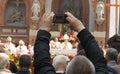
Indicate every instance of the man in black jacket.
{"type": "Point", "coordinates": [42, 61]}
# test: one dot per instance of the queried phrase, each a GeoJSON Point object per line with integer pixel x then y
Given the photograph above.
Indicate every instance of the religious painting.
{"type": "Point", "coordinates": [62, 6]}
{"type": "Point", "coordinates": [73, 6]}
{"type": "Point", "coordinates": [15, 13]}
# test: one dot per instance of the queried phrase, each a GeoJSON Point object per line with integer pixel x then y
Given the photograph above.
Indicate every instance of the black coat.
{"type": "Point", "coordinates": [42, 61]}
{"type": "Point", "coordinates": [13, 67]}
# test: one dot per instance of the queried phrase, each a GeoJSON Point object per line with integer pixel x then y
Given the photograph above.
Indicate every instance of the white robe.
{"type": "Point", "coordinates": [10, 47]}
{"type": "Point", "coordinates": [66, 45]}
{"type": "Point", "coordinates": [22, 50]}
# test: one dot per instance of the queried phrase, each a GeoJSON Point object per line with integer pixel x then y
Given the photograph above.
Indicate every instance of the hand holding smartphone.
{"type": "Point", "coordinates": [60, 18]}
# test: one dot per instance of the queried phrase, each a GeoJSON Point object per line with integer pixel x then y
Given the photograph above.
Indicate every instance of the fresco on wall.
{"type": "Point", "coordinates": [15, 13]}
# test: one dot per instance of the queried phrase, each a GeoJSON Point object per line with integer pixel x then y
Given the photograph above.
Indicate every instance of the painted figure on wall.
{"type": "Point", "coordinates": [15, 13]}
{"type": "Point", "coordinates": [73, 6]}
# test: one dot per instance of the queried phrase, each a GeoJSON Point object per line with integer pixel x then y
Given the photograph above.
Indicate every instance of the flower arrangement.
{"type": "Point", "coordinates": [14, 58]}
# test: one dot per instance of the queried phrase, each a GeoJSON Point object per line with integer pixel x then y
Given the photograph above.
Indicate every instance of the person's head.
{"type": "Point", "coordinates": [29, 46]}
{"type": "Point", "coordinates": [80, 65]}
{"type": "Point", "coordinates": [52, 41]}
{"type": "Point", "coordinates": [111, 54]}
{"type": "Point", "coordinates": [21, 42]}
{"type": "Point", "coordinates": [118, 58]}
{"type": "Point", "coordinates": [60, 62]}
{"type": "Point", "coordinates": [9, 39]}
{"type": "Point", "coordinates": [66, 37]}
{"type": "Point", "coordinates": [56, 39]}
{"type": "Point", "coordinates": [4, 61]}
{"type": "Point", "coordinates": [114, 42]}
{"type": "Point", "coordinates": [24, 61]}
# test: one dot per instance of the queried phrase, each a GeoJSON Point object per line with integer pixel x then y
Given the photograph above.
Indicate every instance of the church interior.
{"type": "Point", "coordinates": [15, 17]}
{"type": "Point", "coordinates": [20, 19]}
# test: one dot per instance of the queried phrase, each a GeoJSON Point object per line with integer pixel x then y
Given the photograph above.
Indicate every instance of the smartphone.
{"type": "Point", "coordinates": [60, 18]}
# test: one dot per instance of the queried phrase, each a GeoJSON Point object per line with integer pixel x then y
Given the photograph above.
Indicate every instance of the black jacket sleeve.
{"type": "Point", "coordinates": [93, 51]}
{"type": "Point", "coordinates": [42, 62]}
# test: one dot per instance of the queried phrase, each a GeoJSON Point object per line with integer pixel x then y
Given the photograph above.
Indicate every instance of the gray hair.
{"type": "Point", "coordinates": [80, 65]}
{"type": "Point", "coordinates": [4, 59]}
{"type": "Point", "coordinates": [9, 38]}
{"type": "Point", "coordinates": [118, 58]}
{"type": "Point", "coordinates": [60, 59]}
{"type": "Point", "coordinates": [112, 53]}
{"type": "Point", "coordinates": [119, 55]}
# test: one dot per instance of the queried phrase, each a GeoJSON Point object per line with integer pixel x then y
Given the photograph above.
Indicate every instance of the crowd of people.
{"type": "Point", "coordinates": [64, 43]}
{"type": "Point", "coordinates": [21, 48]}
{"type": "Point", "coordinates": [89, 60]}
{"type": "Point", "coordinates": [9, 67]}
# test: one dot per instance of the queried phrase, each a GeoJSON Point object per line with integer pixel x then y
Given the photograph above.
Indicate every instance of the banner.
{"type": "Point", "coordinates": [119, 20]}
{"type": "Point", "coordinates": [112, 26]}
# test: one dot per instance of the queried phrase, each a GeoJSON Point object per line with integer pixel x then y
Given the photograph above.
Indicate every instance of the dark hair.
{"type": "Point", "coordinates": [25, 61]}
{"type": "Point", "coordinates": [114, 42]}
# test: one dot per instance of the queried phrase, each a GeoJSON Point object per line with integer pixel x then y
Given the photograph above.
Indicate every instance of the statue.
{"type": "Point", "coordinates": [35, 9]}
{"type": "Point", "coordinates": [100, 12]}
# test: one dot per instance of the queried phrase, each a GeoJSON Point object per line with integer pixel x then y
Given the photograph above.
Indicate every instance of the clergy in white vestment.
{"type": "Point", "coordinates": [66, 44]}
{"type": "Point", "coordinates": [30, 49]}
{"type": "Point", "coordinates": [22, 48]}
{"type": "Point", "coordinates": [52, 44]}
{"type": "Point", "coordinates": [9, 46]}
{"type": "Point", "coordinates": [57, 43]}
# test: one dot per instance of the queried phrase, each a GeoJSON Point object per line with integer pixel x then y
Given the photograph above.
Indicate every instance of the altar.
{"type": "Point", "coordinates": [68, 53]}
